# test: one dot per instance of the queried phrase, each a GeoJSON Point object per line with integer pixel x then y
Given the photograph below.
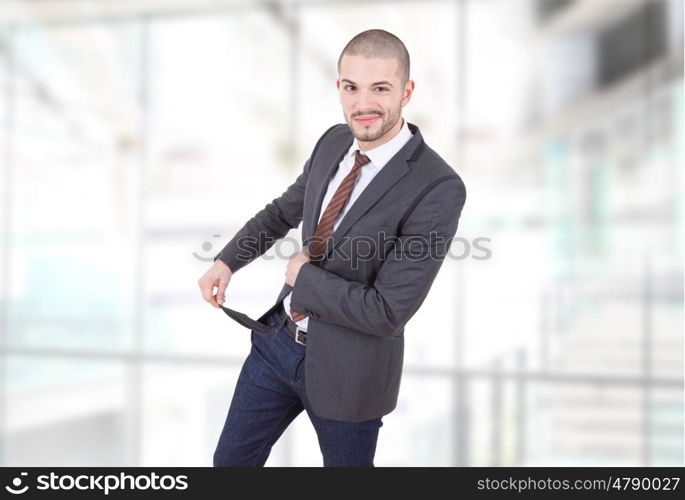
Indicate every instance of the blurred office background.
{"type": "Point", "coordinates": [138, 136]}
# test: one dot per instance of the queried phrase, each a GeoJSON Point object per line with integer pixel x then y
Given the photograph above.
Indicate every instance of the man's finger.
{"type": "Point", "coordinates": [221, 292]}
{"type": "Point", "coordinates": [207, 294]}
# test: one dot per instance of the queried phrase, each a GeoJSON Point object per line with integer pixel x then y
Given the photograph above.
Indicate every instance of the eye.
{"type": "Point", "coordinates": [384, 88]}
{"type": "Point", "coordinates": [348, 85]}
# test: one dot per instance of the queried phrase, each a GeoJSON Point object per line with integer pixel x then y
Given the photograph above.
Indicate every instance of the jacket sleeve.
{"type": "Point", "coordinates": [404, 278]}
{"type": "Point", "coordinates": [269, 224]}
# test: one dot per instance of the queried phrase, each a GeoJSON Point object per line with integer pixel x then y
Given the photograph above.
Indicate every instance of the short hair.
{"type": "Point", "coordinates": [379, 43]}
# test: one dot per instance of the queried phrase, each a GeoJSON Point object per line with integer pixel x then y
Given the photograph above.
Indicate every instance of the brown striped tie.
{"type": "Point", "coordinates": [331, 214]}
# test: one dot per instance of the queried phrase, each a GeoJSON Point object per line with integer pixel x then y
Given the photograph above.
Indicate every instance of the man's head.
{"type": "Point", "coordinates": [373, 82]}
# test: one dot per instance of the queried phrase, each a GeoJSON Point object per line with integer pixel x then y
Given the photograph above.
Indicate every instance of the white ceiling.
{"type": "Point", "coordinates": [40, 11]}
{"type": "Point", "coordinates": [582, 14]}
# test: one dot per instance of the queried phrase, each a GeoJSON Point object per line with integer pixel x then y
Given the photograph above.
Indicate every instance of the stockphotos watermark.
{"type": "Point", "coordinates": [102, 483]}
{"type": "Point", "coordinates": [359, 248]}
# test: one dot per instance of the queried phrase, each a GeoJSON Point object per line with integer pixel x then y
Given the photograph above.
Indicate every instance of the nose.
{"type": "Point", "coordinates": [366, 102]}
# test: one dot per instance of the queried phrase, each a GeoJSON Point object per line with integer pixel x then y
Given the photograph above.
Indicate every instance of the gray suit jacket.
{"type": "Point", "coordinates": [378, 267]}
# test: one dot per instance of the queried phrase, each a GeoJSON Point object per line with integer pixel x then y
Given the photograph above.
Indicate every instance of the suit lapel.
{"type": "Point", "coordinates": [322, 188]}
{"type": "Point", "coordinates": [390, 174]}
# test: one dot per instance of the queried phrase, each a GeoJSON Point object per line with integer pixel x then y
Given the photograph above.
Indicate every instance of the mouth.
{"type": "Point", "coordinates": [366, 119]}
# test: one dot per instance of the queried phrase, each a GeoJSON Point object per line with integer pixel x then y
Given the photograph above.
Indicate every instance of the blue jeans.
{"type": "Point", "coordinates": [269, 394]}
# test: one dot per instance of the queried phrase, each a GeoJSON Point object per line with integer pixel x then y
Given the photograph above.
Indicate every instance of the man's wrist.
{"type": "Point", "coordinates": [219, 259]}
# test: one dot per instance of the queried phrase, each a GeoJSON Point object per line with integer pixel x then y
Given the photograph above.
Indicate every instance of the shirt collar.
{"type": "Point", "coordinates": [382, 154]}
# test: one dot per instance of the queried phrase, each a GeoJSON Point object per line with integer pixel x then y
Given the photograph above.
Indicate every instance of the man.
{"type": "Point", "coordinates": [332, 344]}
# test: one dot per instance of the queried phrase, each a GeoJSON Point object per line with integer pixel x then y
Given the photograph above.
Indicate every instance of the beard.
{"type": "Point", "coordinates": [378, 129]}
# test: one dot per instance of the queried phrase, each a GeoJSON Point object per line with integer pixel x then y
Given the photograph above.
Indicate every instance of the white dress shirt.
{"type": "Point", "coordinates": [379, 156]}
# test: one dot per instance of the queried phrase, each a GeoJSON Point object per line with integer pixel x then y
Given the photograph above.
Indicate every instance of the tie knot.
{"type": "Point", "coordinates": [360, 158]}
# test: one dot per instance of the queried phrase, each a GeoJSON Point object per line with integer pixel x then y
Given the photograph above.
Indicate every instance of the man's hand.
{"type": "Point", "coordinates": [297, 260]}
{"type": "Point", "coordinates": [216, 276]}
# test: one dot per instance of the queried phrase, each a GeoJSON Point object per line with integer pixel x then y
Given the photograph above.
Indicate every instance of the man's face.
{"type": "Point", "coordinates": [372, 98]}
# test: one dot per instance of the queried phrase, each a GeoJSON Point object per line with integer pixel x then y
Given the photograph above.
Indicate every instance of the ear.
{"type": "Point", "coordinates": [408, 91]}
